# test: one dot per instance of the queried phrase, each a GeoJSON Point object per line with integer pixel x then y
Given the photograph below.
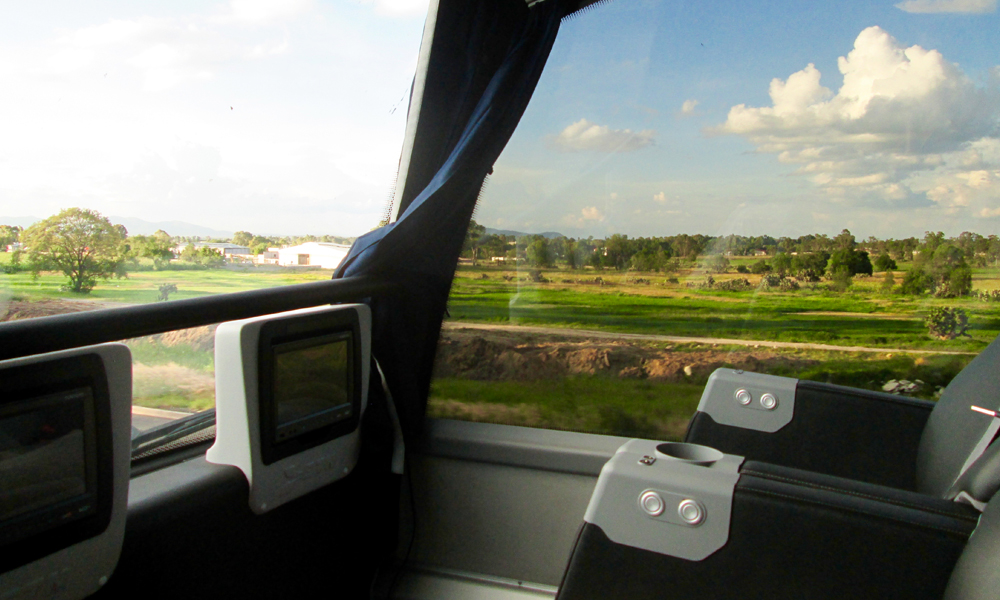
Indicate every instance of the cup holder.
{"type": "Point", "coordinates": [689, 453]}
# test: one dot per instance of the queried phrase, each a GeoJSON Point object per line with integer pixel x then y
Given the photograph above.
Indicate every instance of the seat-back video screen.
{"type": "Point", "coordinates": [313, 383]}
{"type": "Point", "coordinates": [47, 462]}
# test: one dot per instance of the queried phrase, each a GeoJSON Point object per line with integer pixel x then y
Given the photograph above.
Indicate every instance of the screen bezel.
{"type": "Point", "coordinates": [30, 383]}
{"type": "Point", "coordinates": [274, 333]}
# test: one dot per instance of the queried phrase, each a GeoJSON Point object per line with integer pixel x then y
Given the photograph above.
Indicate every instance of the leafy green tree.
{"type": "Point", "coordinates": [473, 240]}
{"type": "Point", "coordinates": [952, 275]}
{"type": "Point", "coordinates": [242, 238]}
{"type": "Point", "coordinates": [760, 267]}
{"type": "Point", "coordinates": [81, 243]}
{"type": "Point", "coordinates": [884, 262]}
{"type": "Point", "coordinates": [916, 282]}
{"type": "Point", "coordinates": [781, 263]}
{"type": "Point", "coordinates": [538, 253]}
{"type": "Point", "coordinates": [810, 266]}
{"type": "Point", "coordinates": [9, 234]}
{"type": "Point", "coordinates": [853, 262]}
{"type": "Point", "coordinates": [157, 247]}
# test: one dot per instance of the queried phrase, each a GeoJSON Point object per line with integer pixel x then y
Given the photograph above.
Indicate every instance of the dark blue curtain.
{"type": "Point", "coordinates": [486, 58]}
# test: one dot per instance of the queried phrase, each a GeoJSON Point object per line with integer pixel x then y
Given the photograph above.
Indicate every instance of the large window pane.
{"type": "Point", "coordinates": [792, 189]}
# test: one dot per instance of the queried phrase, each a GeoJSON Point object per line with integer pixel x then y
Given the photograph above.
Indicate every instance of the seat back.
{"type": "Point", "coordinates": [976, 575]}
{"type": "Point", "coordinates": [953, 430]}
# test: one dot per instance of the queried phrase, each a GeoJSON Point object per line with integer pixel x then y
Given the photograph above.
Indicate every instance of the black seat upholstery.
{"type": "Point", "coordinates": [875, 437]}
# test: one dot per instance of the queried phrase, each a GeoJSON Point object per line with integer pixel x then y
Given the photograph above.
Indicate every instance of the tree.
{"type": "Point", "coordinates": [885, 263]}
{"type": "Point", "coordinates": [760, 267]}
{"type": "Point", "coordinates": [242, 238]}
{"type": "Point", "coordinates": [851, 261]}
{"type": "Point", "coordinates": [81, 243]}
{"type": "Point", "coordinates": [916, 282]}
{"type": "Point", "coordinates": [473, 239]}
{"type": "Point", "coordinates": [782, 263]}
{"type": "Point", "coordinates": [9, 234]}
{"type": "Point", "coordinates": [157, 247]}
{"type": "Point", "coordinates": [538, 253]}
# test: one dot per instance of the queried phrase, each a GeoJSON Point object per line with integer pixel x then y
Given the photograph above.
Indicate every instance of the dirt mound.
{"type": "Point", "coordinates": [16, 310]}
{"type": "Point", "coordinates": [513, 356]}
{"type": "Point", "coordinates": [199, 338]}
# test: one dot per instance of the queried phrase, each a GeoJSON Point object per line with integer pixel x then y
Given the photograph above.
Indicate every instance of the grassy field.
{"type": "Point", "coordinates": [178, 372]}
{"type": "Point", "coordinates": [141, 287]}
{"type": "Point", "coordinates": [862, 316]}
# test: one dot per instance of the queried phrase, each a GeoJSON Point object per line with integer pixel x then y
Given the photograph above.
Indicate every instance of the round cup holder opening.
{"type": "Point", "coordinates": [689, 453]}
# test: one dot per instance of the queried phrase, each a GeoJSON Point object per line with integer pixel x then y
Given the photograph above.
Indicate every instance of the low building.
{"type": "Point", "coordinates": [224, 248]}
{"type": "Point", "coordinates": [271, 256]}
{"type": "Point", "coordinates": [313, 254]}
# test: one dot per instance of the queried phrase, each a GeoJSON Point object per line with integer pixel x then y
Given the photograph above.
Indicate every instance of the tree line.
{"type": "Point", "coordinates": [940, 265]}
{"type": "Point", "coordinates": [87, 247]}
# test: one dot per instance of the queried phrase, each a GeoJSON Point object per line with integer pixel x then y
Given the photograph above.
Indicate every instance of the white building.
{"type": "Point", "coordinates": [315, 254]}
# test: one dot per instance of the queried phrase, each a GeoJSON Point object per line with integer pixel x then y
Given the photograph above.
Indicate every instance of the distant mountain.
{"type": "Point", "coordinates": [545, 234]}
{"type": "Point", "coordinates": [24, 222]}
{"type": "Point", "coordinates": [141, 227]}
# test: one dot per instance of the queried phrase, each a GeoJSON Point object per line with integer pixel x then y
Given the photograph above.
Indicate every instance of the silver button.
{"type": "Point", "coordinates": [691, 512]}
{"type": "Point", "coordinates": [743, 397]}
{"type": "Point", "coordinates": [768, 401]}
{"type": "Point", "coordinates": [651, 503]}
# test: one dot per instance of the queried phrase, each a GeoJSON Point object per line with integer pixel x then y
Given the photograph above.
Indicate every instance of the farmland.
{"type": "Point", "coordinates": [571, 378]}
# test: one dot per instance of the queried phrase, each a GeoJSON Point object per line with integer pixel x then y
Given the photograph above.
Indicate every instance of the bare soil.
{"type": "Point", "coordinates": [16, 310]}
{"type": "Point", "coordinates": [505, 355]}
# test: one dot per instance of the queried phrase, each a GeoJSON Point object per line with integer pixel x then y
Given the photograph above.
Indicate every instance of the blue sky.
{"type": "Point", "coordinates": [652, 118]}
{"type": "Point", "coordinates": [631, 128]}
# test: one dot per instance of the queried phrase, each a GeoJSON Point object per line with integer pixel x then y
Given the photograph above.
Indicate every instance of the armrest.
{"type": "Point", "coordinates": [792, 534]}
{"type": "Point", "coordinates": [836, 430]}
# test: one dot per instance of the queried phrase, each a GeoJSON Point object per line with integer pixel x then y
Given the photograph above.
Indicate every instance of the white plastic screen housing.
{"type": "Point", "coordinates": [79, 570]}
{"type": "Point", "coordinates": [237, 413]}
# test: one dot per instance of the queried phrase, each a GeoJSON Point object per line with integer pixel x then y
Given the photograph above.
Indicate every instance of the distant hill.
{"type": "Point", "coordinates": [24, 222]}
{"type": "Point", "coordinates": [545, 234]}
{"type": "Point", "coordinates": [139, 226]}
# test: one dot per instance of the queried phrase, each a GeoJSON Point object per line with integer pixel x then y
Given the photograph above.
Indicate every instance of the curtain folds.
{"type": "Point", "coordinates": [485, 60]}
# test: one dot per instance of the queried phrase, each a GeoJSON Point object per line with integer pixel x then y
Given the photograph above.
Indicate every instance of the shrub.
{"type": "Point", "coordinates": [884, 262]}
{"type": "Point", "coordinates": [742, 269]}
{"type": "Point", "coordinates": [947, 323]}
{"type": "Point", "coordinates": [165, 290]}
{"type": "Point", "coordinates": [760, 267]}
{"type": "Point", "coordinates": [734, 285]}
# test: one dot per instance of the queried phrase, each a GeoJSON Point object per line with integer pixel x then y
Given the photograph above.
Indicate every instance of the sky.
{"type": "Point", "coordinates": [272, 116]}
{"type": "Point", "coordinates": [652, 117]}
{"type": "Point", "coordinates": [781, 118]}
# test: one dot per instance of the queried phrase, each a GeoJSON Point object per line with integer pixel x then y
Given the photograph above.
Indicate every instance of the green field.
{"type": "Point", "coordinates": [862, 316]}
{"type": "Point", "coordinates": [178, 373]}
{"type": "Point", "coordinates": [141, 287]}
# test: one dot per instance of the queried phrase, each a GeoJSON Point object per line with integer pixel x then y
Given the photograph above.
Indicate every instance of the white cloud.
{"type": "Point", "coordinates": [660, 197]}
{"type": "Point", "coordinates": [688, 107]}
{"type": "Point", "coordinates": [900, 114]}
{"type": "Point", "coordinates": [401, 8]}
{"type": "Point", "coordinates": [584, 135]}
{"type": "Point", "coordinates": [948, 6]}
{"type": "Point", "coordinates": [591, 214]}
{"type": "Point", "coordinates": [262, 11]}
